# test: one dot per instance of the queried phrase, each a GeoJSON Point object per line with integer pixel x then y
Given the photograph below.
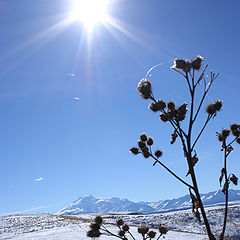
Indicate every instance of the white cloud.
{"type": "Point", "coordinates": [39, 179]}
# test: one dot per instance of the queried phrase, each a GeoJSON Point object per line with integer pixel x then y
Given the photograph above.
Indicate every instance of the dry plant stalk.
{"type": "Point", "coordinates": [168, 112]}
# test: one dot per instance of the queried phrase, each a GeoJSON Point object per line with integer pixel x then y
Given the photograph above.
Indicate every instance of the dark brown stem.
{"type": "Point", "coordinates": [206, 89]}
{"type": "Point", "coordinates": [226, 192]}
{"type": "Point", "coordinates": [205, 124]}
{"type": "Point", "coordinates": [106, 230]}
{"type": "Point", "coordinates": [131, 235]}
{"type": "Point", "coordinates": [191, 169]}
{"type": "Point", "coordinates": [171, 172]}
{"type": "Point", "coordinates": [159, 236]}
{"type": "Point", "coordinates": [201, 76]}
{"type": "Point", "coordinates": [229, 144]}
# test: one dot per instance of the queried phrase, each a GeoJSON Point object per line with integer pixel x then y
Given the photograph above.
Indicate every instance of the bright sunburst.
{"type": "Point", "coordinates": [90, 12]}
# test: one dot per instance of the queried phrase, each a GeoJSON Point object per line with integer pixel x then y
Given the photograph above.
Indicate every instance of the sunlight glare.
{"type": "Point", "coordinates": [90, 12]}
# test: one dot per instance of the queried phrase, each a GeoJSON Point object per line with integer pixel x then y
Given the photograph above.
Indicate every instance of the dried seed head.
{"type": "Point", "coordinates": [163, 229]}
{"type": "Point", "coordinates": [134, 150]}
{"type": "Point", "coordinates": [238, 140]}
{"type": "Point", "coordinates": [163, 117]}
{"type": "Point", "coordinates": [93, 233]}
{"type": "Point", "coordinates": [150, 141]}
{"type": "Point", "coordinates": [220, 137]}
{"type": "Point", "coordinates": [188, 66]}
{"type": "Point", "coordinates": [196, 63]}
{"type": "Point", "coordinates": [218, 105]}
{"type": "Point", "coordinates": [98, 220]}
{"type": "Point", "coordinates": [236, 133]}
{"type": "Point", "coordinates": [145, 88]}
{"type": "Point", "coordinates": [152, 234]}
{"type": "Point", "coordinates": [154, 106]}
{"type": "Point", "coordinates": [210, 109]}
{"type": "Point", "coordinates": [179, 63]}
{"type": "Point", "coordinates": [158, 153]}
{"type": "Point", "coordinates": [141, 144]}
{"type": "Point", "coordinates": [146, 154]}
{"type": "Point", "coordinates": [234, 179]}
{"type": "Point", "coordinates": [225, 133]}
{"type": "Point", "coordinates": [145, 149]}
{"type": "Point", "coordinates": [234, 127]}
{"type": "Point", "coordinates": [161, 104]}
{"type": "Point", "coordinates": [121, 233]}
{"type": "Point", "coordinates": [125, 227]}
{"type": "Point", "coordinates": [120, 222]}
{"type": "Point", "coordinates": [143, 229]}
{"type": "Point", "coordinates": [95, 226]}
{"type": "Point", "coordinates": [180, 117]}
{"type": "Point", "coordinates": [183, 109]}
{"type": "Point", "coordinates": [172, 113]}
{"type": "Point", "coordinates": [171, 105]}
{"type": "Point", "coordinates": [143, 137]}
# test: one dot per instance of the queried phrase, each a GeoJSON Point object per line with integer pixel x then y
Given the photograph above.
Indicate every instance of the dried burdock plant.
{"type": "Point", "coordinates": [98, 228]}
{"type": "Point", "coordinates": [194, 72]}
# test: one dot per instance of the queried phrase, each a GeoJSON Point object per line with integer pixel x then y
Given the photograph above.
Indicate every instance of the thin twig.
{"type": "Point", "coordinates": [232, 141]}
{"type": "Point", "coordinates": [106, 230]}
{"type": "Point", "coordinates": [206, 89]}
{"type": "Point", "coordinates": [205, 124]}
{"type": "Point", "coordinates": [131, 235]}
{"type": "Point", "coordinates": [201, 76]}
{"type": "Point", "coordinates": [171, 172]}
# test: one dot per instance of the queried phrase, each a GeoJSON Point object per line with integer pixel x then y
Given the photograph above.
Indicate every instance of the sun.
{"type": "Point", "coordinates": [90, 12]}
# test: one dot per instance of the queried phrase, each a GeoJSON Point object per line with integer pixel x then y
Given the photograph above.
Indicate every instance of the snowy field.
{"type": "Point", "coordinates": [182, 225]}
{"type": "Point", "coordinates": [55, 228]}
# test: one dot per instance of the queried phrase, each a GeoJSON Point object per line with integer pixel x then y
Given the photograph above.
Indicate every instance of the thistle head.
{"type": "Point", "coordinates": [134, 150]}
{"type": "Point", "coordinates": [161, 104]}
{"type": "Point", "coordinates": [197, 62]}
{"type": "Point", "coordinates": [143, 229]}
{"type": "Point", "coordinates": [93, 233]}
{"type": "Point", "coordinates": [225, 133]}
{"type": "Point", "coordinates": [163, 229]}
{"type": "Point", "coordinates": [158, 153]}
{"type": "Point", "coordinates": [98, 219]}
{"type": "Point", "coordinates": [145, 88]}
{"type": "Point", "coordinates": [212, 108]}
{"type": "Point", "coordinates": [120, 222]}
{"type": "Point", "coordinates": [152, 234]}
{"type": "Point", "coordinates": [154, 106]}
{"type": "Point", "coordinates": [143, 137]}
{"type": "Point", "coordinates": [171, 105]}
{"type": "Point", "coordinates": [150, 141]}
{"type": "Point", "coordinates": [125, 227]}
{"type": "Point", "coordinates": [163, 117]}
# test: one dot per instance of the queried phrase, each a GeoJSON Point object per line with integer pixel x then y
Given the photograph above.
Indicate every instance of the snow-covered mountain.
{"type": "Point", "coordinates": [90, 204]}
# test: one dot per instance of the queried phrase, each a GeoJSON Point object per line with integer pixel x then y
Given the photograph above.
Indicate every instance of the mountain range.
{"type": "Point", "coordinates": [90, 204]}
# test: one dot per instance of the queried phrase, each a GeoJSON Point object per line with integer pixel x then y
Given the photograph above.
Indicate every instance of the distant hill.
{"type": "Point", "coordinates": [90, 204]}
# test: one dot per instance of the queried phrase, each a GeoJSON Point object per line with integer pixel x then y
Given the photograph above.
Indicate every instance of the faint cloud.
{"type": "Point", "coordinates": [26, 210]}
{"type": "Point", "coordinates": [39, 179]}
{"type": "Point", "coordinates": [71, 74]}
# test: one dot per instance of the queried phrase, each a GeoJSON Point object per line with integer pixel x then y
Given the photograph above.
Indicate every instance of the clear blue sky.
{"type": "Point", "coordinates": [55, 148]}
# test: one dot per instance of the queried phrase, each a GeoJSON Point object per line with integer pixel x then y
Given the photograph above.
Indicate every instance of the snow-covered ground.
{"type": "Point", "coordinates": [182, 225]}
{"type": "Point", "coordinates": [56, 228]}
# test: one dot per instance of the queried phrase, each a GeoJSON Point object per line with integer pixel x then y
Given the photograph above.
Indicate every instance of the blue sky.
{"type": "Point", "coordinates": [55, 148]}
